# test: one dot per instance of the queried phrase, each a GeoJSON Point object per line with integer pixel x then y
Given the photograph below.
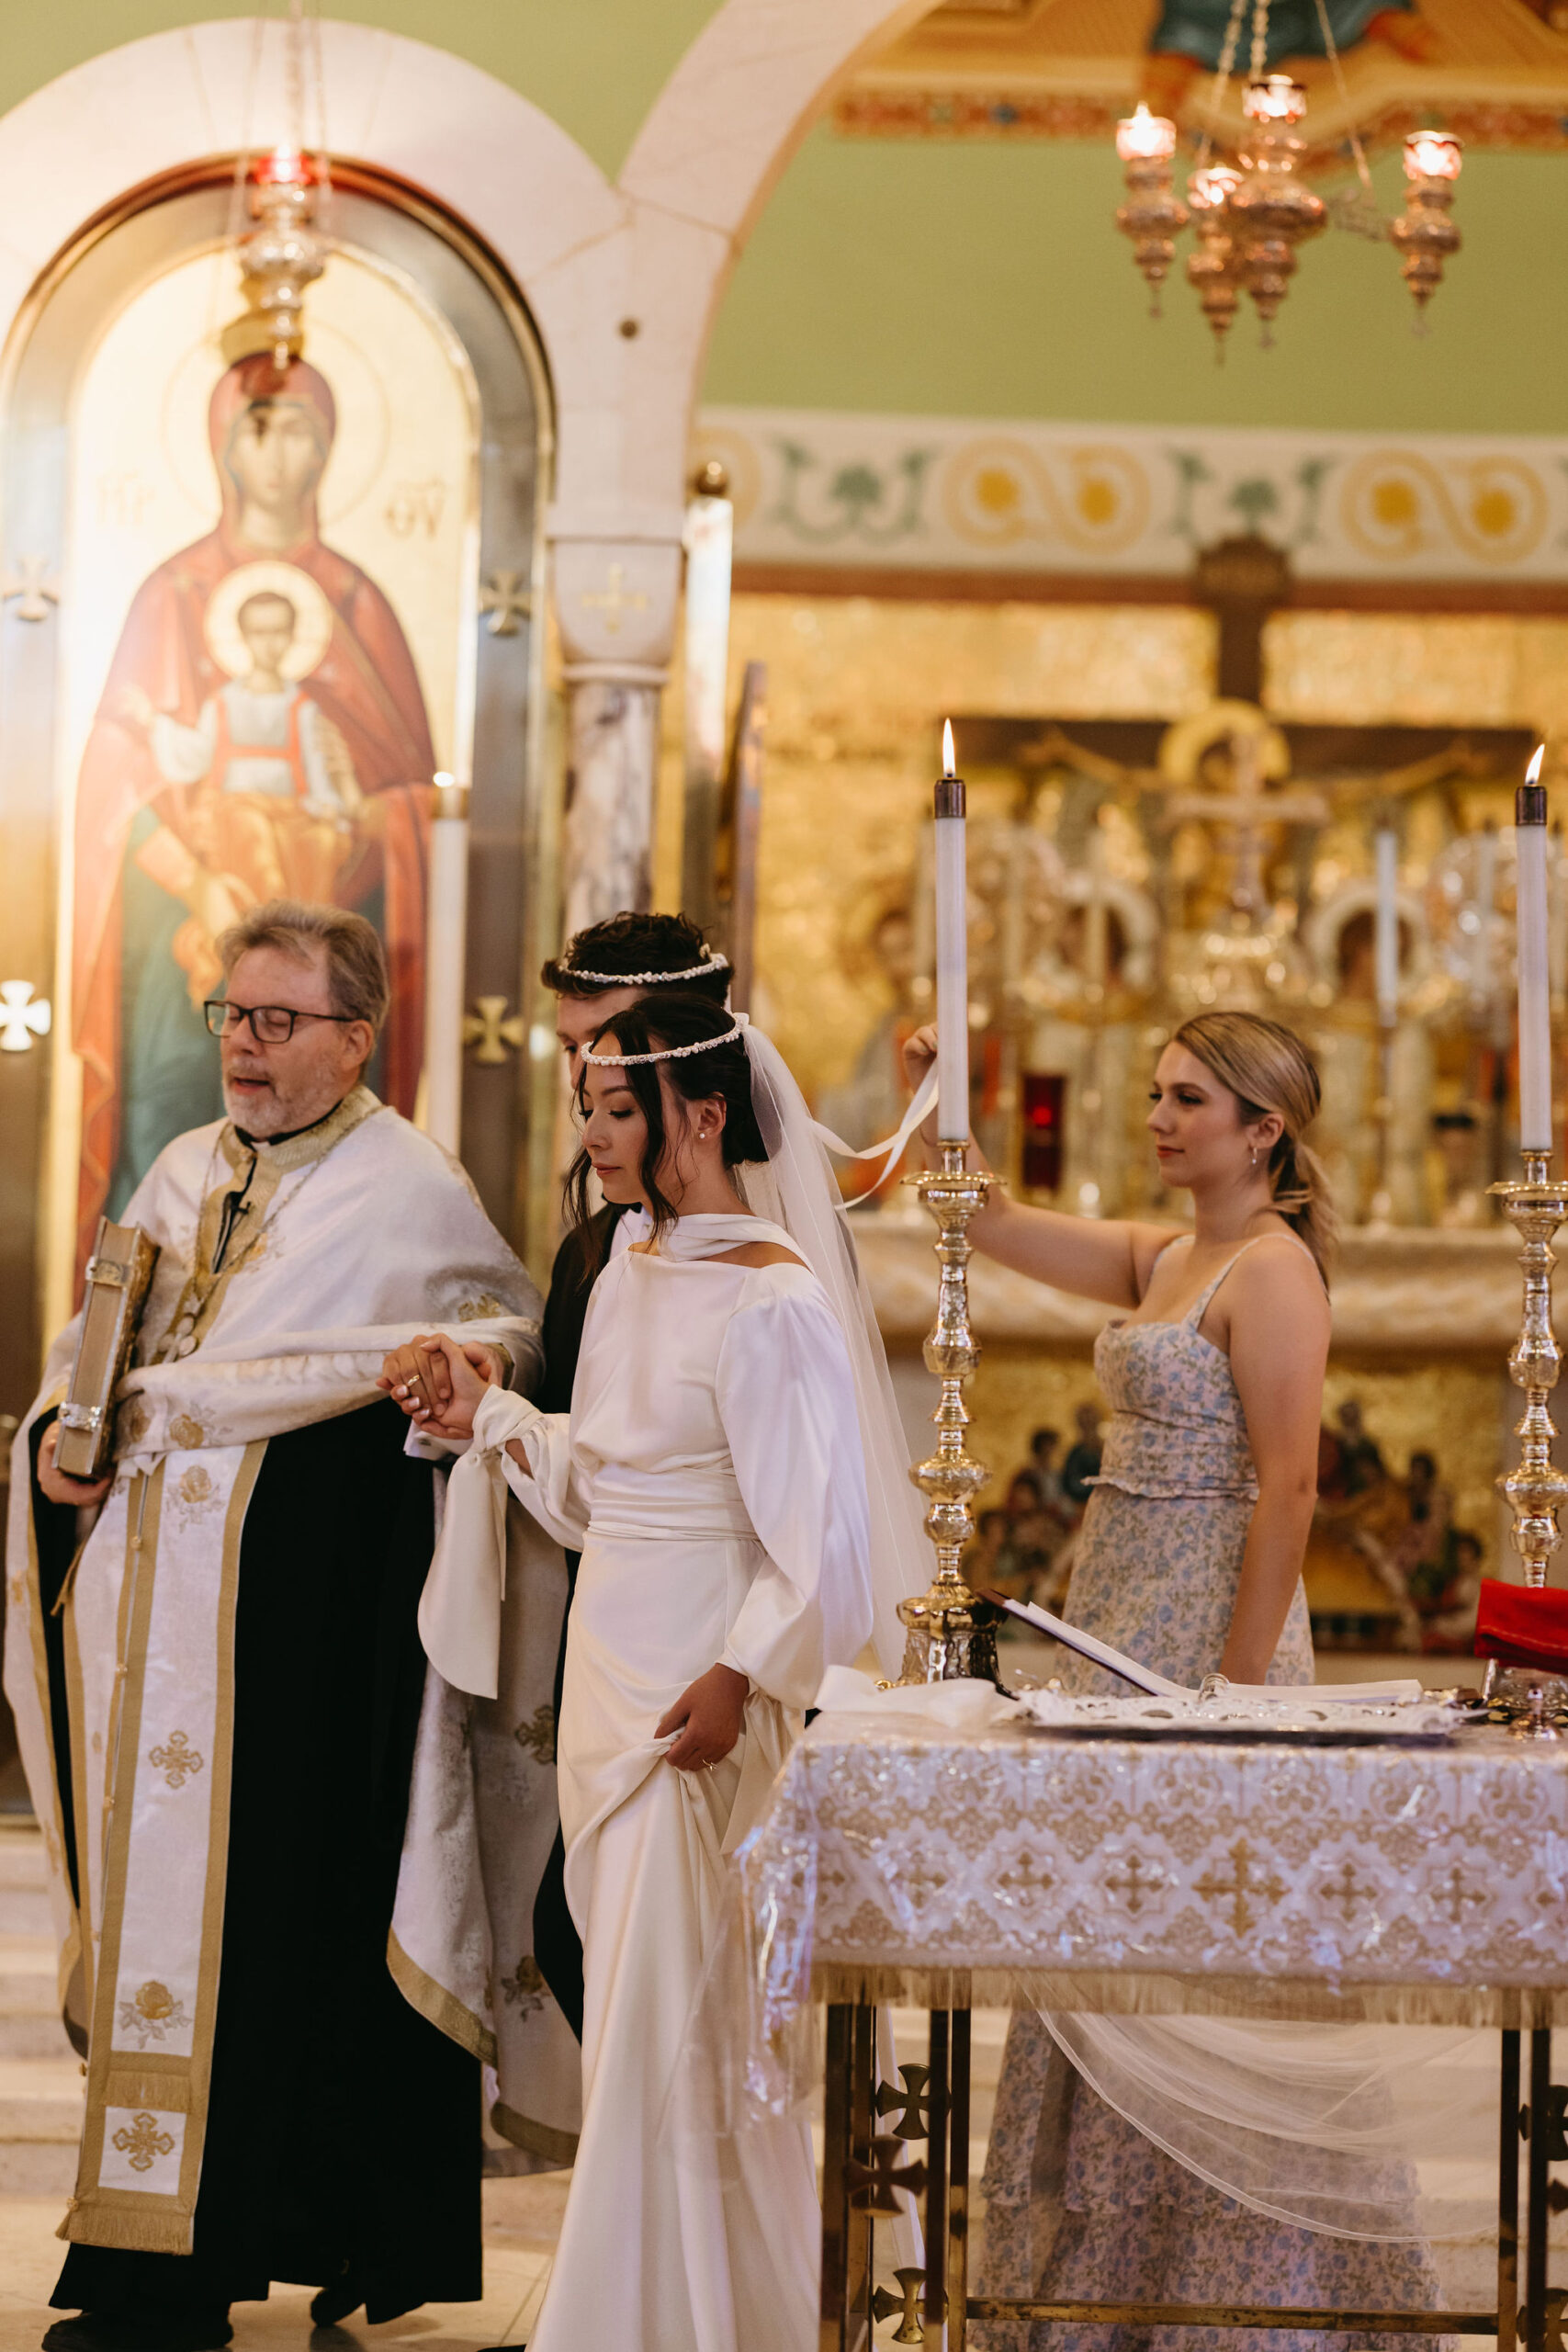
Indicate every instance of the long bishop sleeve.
{"type": "Point", "coordinates": [459, 1611]}
{"type": "Point", "coordinates": [786, 1396]}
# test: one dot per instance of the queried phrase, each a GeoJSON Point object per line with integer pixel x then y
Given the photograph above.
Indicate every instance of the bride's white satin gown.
{"type": "Point", "coordinates": [711, 1472]}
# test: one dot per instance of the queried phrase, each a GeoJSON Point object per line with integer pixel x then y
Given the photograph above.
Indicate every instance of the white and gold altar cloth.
{"type": "Point", "coordinates": [900, 1861]}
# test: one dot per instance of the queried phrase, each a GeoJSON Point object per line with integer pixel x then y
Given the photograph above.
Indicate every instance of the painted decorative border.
{"type": "Point", "coordinates": [815, 487]}
{"type": "Point", "coordinates": [898, 110]}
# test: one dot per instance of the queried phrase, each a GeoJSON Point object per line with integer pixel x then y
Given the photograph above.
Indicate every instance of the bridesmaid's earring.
{"type": "Point", "coordinates": [1252, 1154]}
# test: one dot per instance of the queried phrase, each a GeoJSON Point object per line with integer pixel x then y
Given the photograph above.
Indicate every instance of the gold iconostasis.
{"type": "Point", "coordinates": [1140, 848]}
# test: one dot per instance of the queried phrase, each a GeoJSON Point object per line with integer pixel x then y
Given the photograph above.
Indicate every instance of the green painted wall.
{"type": "Point", "coordinates": [989, 280]}
{"type": "Point", "coordinates": [986, 279]}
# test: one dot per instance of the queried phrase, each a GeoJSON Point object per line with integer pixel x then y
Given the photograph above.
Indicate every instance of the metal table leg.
{"type": "Point", "coordinates": [936, 2313]}
{"type": "Point", "coordinates": [833, 2295]}
{"type": "Point", "coordinates": [958, 2188]}
{"type": "Point", "coordinates": [1508, 2194]}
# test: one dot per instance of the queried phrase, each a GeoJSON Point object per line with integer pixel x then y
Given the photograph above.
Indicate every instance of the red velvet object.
{"type": "Point", "coordinates": [1522, 1625]}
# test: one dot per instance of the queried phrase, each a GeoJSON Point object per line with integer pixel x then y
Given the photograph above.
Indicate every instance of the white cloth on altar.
{"type": "Point", "coordinates": [711, 1471]}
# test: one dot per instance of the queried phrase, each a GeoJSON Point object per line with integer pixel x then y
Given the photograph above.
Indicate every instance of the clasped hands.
{"type": "Point", "coordinates": [438, 1382]}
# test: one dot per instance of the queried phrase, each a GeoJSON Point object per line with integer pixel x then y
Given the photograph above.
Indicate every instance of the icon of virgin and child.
{"type": "Point", "coordinates": [261, 733]}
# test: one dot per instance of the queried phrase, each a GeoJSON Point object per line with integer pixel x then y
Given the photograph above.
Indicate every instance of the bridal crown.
{"type": "Point", "coordinates": [652, 979]}
{"type": "Point", "coordinates": [666, 1053]}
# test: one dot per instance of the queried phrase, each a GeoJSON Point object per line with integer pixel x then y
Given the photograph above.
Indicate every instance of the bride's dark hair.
{"type": "Point", "coordinates": [652, 1027]}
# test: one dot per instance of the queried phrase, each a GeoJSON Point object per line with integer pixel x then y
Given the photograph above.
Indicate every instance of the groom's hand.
{"type": "Point", "coordinates": [707, 1715]}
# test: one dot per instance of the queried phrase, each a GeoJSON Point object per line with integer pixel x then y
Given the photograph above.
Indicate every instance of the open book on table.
{"type": "Point", "coordinates": [1144, 1678]}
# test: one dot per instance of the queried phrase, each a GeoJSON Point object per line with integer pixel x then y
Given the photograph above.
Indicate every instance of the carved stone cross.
{"type": "Point", "coordinates": [30, 588]}
{"type": "Point", "coordinates": [489, 1032]}
{"type": "Point", "coordinates": [23, 1016]}
{"type": "Point", "coordinates": [506, 600]}
{"type": "Point", "coordinates": [614, 600]}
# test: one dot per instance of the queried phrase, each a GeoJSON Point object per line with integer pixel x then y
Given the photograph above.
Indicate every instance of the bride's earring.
{"type": "Point", "coordinates": [1252, 1154]}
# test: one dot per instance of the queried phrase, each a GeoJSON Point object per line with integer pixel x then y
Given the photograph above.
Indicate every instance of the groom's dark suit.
{"type": "Point", "coordinates": [580, 1260]}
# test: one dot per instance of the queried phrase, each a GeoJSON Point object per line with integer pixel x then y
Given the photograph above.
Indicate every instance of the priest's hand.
{"type": "Point", "coordinates": [438, 1382]}
{"type": "Point", "coordinates": [59, 1486]}
{"type": "Point", "coordinates": [707, 1717]}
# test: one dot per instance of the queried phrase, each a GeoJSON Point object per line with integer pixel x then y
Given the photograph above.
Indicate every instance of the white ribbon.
{"type": "Point", "coordinates": [893, 1150]}
{"type": "Point", "coordinates": [459, 1610]}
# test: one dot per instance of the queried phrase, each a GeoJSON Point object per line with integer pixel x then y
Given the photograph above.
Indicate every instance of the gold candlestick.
{"type": "Point", "coordinates": [1535, 1490]}
{"type": "Point", "coordinates": [951, 1631]}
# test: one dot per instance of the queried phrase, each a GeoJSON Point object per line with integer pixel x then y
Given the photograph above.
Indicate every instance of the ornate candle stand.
{"type": "Point", "coordinates": [951, 1631]}
{"type": "Point", "coordinates": [1535, 1490]}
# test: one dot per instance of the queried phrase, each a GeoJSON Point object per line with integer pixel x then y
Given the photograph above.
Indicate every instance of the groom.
{"type": "Point", "coordinates": [605, 968]}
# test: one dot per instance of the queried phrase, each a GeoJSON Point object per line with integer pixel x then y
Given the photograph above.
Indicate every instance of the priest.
{"type": "Point", "coordinates": [220, 1692]}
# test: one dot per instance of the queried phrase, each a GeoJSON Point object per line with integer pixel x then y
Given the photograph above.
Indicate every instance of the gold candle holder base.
{"type": "Point", "coordinates": [1535, 1488]}
{"type": "Point", "coordinates": [951, 1631]}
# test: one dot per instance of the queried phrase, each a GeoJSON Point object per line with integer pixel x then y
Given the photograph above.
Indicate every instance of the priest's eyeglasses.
{"type": "Point", "coordinates": [271, 1024]}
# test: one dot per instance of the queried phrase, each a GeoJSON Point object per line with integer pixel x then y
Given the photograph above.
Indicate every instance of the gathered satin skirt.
{"type": "Point", "coordinates": [659, 2252]}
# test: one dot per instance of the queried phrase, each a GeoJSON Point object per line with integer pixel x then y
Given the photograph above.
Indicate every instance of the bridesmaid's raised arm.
{"type": "Point", "coordinates": [1109, 1259]}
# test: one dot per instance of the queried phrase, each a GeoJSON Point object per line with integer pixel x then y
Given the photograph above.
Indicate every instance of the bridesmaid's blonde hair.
{"type": "Point", "coordinates": [1266, 1068]}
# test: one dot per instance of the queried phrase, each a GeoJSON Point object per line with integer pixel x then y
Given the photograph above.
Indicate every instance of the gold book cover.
{"type": "Point", "coordinates": [118, 1273]}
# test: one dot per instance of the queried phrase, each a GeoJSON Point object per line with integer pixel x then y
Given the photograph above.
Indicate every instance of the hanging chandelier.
{"type": "Point", "coordinates": [284, 191]}
{"type": "Point", "coordinates": [1252, 216]}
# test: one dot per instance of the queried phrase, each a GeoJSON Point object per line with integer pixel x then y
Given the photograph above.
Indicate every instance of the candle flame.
{"type": "Point", "coordinates": [1532, 773]}
{"type": "Point", "coordinates": [947, 767]}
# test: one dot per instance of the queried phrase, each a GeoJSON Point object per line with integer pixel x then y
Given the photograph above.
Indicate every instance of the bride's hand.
{"type": "Point", "coordinates": [438, 1383]}
{"type": "Point", "coordinates": [707, 1717]}
{"type": "Point", "coordinates": [920, 1053]}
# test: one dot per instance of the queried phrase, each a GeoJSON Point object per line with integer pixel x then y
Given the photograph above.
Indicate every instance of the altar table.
{"type": "Point", "coordinates": [903, 1862]}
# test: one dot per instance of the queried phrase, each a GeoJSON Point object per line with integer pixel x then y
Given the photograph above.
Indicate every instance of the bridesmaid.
{"type": "Point", "coordinates": [1189, 1559]}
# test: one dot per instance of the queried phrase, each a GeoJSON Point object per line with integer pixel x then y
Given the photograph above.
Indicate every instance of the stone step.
{"type": "Point", "coordinates": [21, 1858]}
{"type": "Point", "coordinates": [32, 2033]}
{"type": "Point", "coordinates": [38, 2168]}
{"type": "Point", "coordinates": [25, 1911]}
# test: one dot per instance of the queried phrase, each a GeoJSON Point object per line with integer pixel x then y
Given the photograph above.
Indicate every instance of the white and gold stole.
{"type": "Point", "coordinates": [152, 1834]}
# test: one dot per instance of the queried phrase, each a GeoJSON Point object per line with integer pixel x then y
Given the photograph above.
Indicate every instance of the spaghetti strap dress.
{"type": "Point", "coordinates": [1080, 2205]}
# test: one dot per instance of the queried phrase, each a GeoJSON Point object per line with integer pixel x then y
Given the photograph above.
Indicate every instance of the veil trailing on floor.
{"type": "Point", "coordinates": [1359, 2130]}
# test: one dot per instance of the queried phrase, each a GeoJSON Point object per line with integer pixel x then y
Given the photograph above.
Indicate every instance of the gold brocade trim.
{"type": "Point", "coordinates": [159, 2222]}
{"type": "Point", "coordinates": [76, 1723]}
{"type": "Point", "coordinates": [538, 2139]}
{"type": "Point", "coordinates": [144, 1506]}
{"type": "Point", "coordinates": [125, 2224]}
{"type": "Point", "coordinates": [72, 1948]}
{"type": "Point", "coordinates": [217, 1829]}
{"type": "Point", "coordinates": [442, 2008]}
{"type": "Point", "coordinates": [1115, 1993]}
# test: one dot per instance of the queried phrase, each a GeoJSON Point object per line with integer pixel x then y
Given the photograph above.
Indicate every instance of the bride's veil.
{"type": "Point", "coordinates": [797, 1189]}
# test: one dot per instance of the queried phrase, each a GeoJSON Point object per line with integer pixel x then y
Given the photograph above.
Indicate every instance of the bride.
{"type": "Point", "coordinates": [731, 1472]}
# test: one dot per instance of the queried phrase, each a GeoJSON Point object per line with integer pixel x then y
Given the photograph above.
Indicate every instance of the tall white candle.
{"type": "Point", "coordinates": [952, 952]}
{"type": "Point", "coordinates": [445, 951]}
{"type": "Point", "coordinates": [1387, 933]}
{"type": "Point", "coordinates": [1481, 938]}
{"type": "Point", "coordinates": [1535, 978]}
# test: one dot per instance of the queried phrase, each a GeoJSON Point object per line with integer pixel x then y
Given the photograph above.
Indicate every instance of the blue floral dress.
{"type": "Point", "coordinates": [1079, 2205]}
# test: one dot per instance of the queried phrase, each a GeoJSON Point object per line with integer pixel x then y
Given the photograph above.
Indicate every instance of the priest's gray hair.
{"type": "Point", "coordinates": [357, 962]}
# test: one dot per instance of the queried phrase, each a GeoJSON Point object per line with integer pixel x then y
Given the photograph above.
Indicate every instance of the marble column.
{"type": "Point", "coordinates": [616, 599]}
